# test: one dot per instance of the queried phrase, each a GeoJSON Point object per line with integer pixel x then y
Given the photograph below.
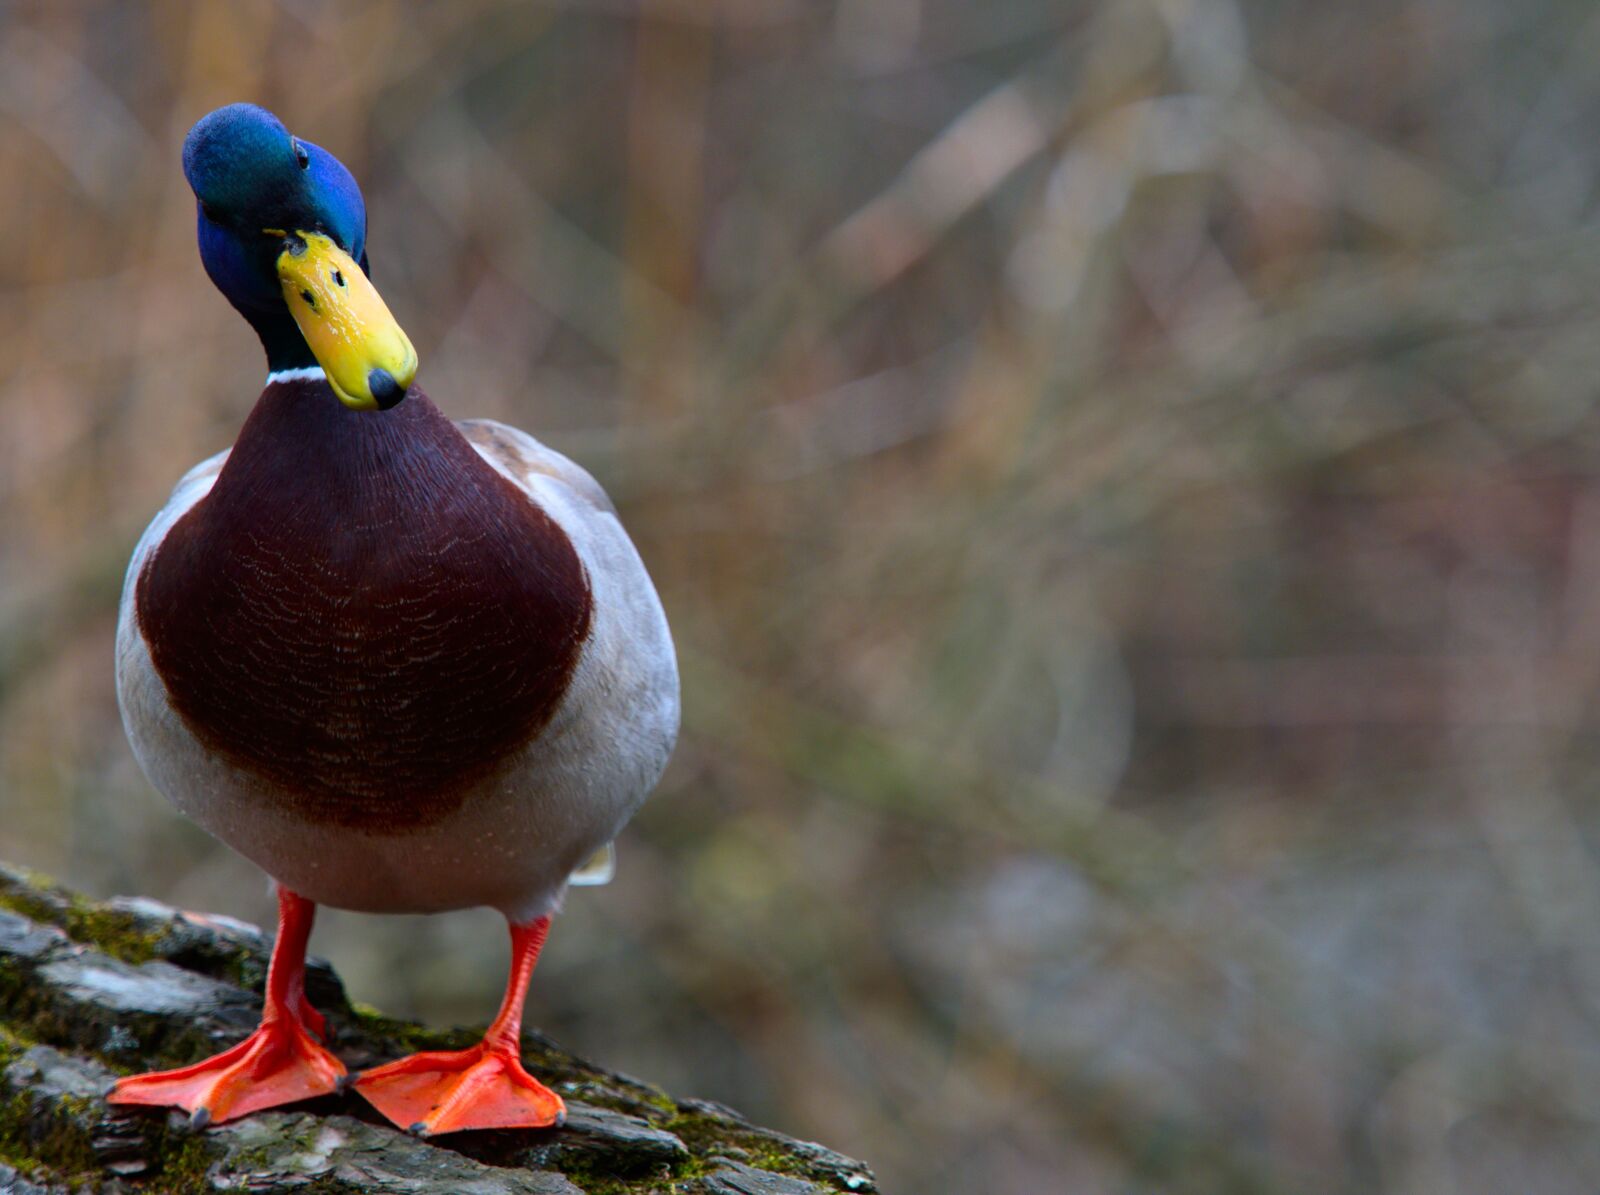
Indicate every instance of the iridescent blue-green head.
{"type": "Point", "coordinates": [283, 233]}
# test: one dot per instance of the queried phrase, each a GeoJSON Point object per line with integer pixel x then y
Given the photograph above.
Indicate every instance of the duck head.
{"type": "Point", "coordinates": [283, 232]}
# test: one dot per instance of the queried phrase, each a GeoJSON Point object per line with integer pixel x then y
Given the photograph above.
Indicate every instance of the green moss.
{"type": "Point", "coordinates": [246, 969]}
{"type": "Point", "coordinates": [585, 1087]}
{"type": "Point", "coordinates": [286, 1142]}
{"type": "Point", "coordinates": [28, 1018]}
{"type": "Point", "coordinates": [38, 898]}
{"type": "Point", "coordinates": [407, 1036]}
{"type": "Point", "coordinates": [592, 1183]}
{"type": "Point", "coordinates": [35, 1172]}
{"type": "Point", "coordinates": [709, 1136]}
{"type": "Point", "coordinates": [15, 1112]}
{"type": "Point", "coordinates": [185, 1163]}
{"type": "Point", "coordinates": [32, 900]}
{"type": "Point", "coordinates": [596, 1180]}
{"type": "Point", "coordinates": [694, 1167]}
{"type": "Point", "coordinates": [34, 1133]}
{"type": "Point", "coordinates": [80, 1106]}
{"type": "Point", "coordinates": [13, 1043]}
{"type": "Point", "coordinates": [116, 933]}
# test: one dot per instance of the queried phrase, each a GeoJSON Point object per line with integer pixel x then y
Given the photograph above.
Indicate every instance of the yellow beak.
{"type": "Point", "coordinates": [368, 359]}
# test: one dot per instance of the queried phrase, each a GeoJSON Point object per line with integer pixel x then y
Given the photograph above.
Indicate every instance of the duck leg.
{"type": "Point", "coordinates": [485, 1087]}
{"type": "Point", "coordinates": [279, 1063]}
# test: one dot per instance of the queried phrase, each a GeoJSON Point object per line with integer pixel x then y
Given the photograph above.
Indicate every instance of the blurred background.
{"type": "Point", "coordinates": [1124, 476]}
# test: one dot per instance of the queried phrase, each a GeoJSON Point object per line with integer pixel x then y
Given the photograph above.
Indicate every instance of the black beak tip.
{"type": "Point", "coordinates": [386, 392]}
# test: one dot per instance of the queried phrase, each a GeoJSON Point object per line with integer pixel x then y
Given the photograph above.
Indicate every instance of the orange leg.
{"type": "Point", "coordinates": [279, 1063]}
{"type": "Point", "coordinates": [485, 1087]}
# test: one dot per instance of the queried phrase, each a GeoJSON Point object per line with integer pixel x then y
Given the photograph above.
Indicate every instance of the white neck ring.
{"type": "Point", "coordinates": [307, 373]}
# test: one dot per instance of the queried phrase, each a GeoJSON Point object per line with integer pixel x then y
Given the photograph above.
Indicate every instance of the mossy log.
{"type": "Point", "coordinates": [89, 991]}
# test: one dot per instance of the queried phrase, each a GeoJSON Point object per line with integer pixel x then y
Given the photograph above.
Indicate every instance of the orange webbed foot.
{"type": "Point", "coordinates": [277, 1064]}
{"type": "Point", "coordinates": [485, 1087]}
{"type": "Point", "coordinates": [446, 1091]}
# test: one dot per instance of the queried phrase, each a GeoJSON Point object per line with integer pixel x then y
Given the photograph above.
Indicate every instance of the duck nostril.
{"type": "Point", "coordinates": [386, 392]}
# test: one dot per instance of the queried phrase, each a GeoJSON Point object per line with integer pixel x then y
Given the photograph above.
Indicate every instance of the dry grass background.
{"type": "Point", "coordinates": [1122, 475]}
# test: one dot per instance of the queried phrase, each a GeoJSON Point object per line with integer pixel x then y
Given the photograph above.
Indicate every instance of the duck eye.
{"type": "Point", "coordinates": [301, 155]}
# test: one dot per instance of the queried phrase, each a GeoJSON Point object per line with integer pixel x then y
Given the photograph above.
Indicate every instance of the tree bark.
{"type": "Point", "coordinates": [90, 991]}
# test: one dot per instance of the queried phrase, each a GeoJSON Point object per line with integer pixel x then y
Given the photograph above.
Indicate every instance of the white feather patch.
{"type": "Point", "coordinates": [306, 373]}
{"type": "Point", "coordinates": [597, 869]}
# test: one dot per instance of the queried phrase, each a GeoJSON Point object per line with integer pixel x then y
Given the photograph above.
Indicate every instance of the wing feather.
{"type": "Point", "coordinates": [517, 454]}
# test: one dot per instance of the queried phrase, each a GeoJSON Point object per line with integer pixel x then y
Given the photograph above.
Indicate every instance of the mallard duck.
{"type": "Point", "coordinates": [401, 663]}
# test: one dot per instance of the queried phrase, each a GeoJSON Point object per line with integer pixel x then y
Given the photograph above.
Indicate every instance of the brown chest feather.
{"type": "Point", "coordinates": [362, 612]}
